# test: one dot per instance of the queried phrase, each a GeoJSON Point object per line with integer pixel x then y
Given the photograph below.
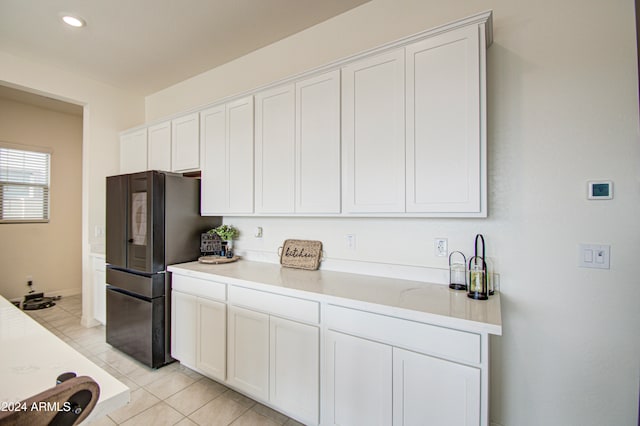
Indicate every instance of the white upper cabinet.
{"type": "Point", "coordinates": [275, 150]}
{"type": "Point", "coordinates": [444, 123]}
{"type": "Point", "coordinates": [317, 145]}
{"type": "Point", "coordinates": [373, 134]}
{"type": "Point", "coordinates": [133, 151]}
{"type": "Point", "coordinates": [159, 147]}
{"type": "Point", "coordinates": [298, 147]}
{"type": "Point", "coordinates": [185, 146]}
{"type": "Point", "coordinates": [395, 131]}
{"type": "Point", "coordinates": [226, 133]}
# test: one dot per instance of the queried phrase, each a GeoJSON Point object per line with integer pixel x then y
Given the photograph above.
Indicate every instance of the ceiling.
{"type": "Point", "coordinates": [144, 46]}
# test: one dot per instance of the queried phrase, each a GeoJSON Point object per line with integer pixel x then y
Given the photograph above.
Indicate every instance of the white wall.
{"type": "Point", "coordinates": [563, 109]}
{"type": "Point", "coordinates": [107, 111]}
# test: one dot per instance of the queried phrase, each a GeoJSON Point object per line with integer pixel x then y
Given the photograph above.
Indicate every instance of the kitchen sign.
{"type": "Point", "coordinates": [301, 254]}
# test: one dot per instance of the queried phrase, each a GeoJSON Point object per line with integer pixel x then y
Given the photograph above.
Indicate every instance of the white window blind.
{"type": "Point", "coordinates": [24, 184]}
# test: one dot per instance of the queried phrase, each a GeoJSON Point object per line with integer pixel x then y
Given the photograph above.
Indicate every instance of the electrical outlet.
{"type": "Point", "coordinates": [441, 247]}
{"type": "Point", "coordinates": [258, 232]}
{"type": "Point", "coordinates": [350, 241]}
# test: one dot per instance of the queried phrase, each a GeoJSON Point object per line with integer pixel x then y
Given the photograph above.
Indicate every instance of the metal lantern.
{"type": "Point", "coordinates": [457, 271]}
{"type": "Point", "coordinates": [478, 279]}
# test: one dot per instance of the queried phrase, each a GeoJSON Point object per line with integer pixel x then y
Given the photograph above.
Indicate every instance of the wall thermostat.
{"type": "Point", "coordinates": [600, 190]}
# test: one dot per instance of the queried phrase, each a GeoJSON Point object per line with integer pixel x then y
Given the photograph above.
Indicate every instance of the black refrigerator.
{"type": "Point", "coordinates": [153, 220]}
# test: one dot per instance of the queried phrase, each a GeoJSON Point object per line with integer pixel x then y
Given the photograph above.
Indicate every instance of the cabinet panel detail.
{"type": "Point", "coordinates": [294, 366]}
{"type": "Point", "coordinates": [211, 349]}
{"type": "Point", "coordinates": [431, 391]}
{"type": "Point", "coordinates": [275, 147]}
{"type": "Point", "coordinates": [248, 352]}
{"type": "Point", "coordinates": [183, 328]}
{"type": "Point", "coordinates": [185, 143]}
{"type": "Point", "coordinates": [373, 134]}
{"type": "Point", "coordinates": [240, 149]}
{"type": "Point", "coordinates": [318, 144]}
{"type": "Point", "coordinates": [226, 133]}
{"type": "Point", "coordinates": [159, 147]}
{"type": "Point", "coordinates": [133, 151]}
{"type": "Point", "coordinates": [444, 123]}
{"type": "Point", "coordinates": [359, 381]}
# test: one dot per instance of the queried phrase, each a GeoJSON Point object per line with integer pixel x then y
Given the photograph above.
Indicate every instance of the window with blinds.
{"type": "Point", "coordinates": [24, 184]}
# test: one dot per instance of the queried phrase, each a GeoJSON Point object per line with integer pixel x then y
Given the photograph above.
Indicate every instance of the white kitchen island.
{"type": "Point", "coordinates": [31, 358]}
{"type": "Point", "coordinates": [330, 348]}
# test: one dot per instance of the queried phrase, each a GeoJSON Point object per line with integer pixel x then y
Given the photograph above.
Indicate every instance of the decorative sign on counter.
{"type": "Point", "coordinates": [301, 254]}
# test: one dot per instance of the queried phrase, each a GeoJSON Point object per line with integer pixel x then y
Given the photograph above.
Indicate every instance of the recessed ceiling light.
{"type": "Point", "coordinates": [73, 21]}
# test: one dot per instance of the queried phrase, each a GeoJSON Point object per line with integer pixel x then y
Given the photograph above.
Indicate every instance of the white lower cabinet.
{"type": "Point", "coordinates": [249, 351]}
{"type": "Point", "coordinates": [199, 325]}
{"type": "Point", "coordinates": [295, 368]}
{"type": "Point", "coordinates": [198, 333]}
{"type": "Point", "coordinates": [375, 369]}
{"type": "Point", "coordinates": [275, 360]}
{"type": "Point", "coordinates": [432, 391]}
{"type": "Point", "coordinates": [378, 383]}
{"type": "Point", "coordinates": [358, 381]}
{"type": "Point", "coordinates": [211, 332]}
{"type": "Point", "coordinates": [183, 328]}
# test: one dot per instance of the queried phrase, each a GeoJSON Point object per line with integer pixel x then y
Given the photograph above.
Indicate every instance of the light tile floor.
{"type": "Point", "coordinates": [171, 395]}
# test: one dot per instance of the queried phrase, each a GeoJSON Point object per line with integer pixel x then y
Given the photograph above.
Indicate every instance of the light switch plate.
{"type": "Point", "coordinates": [594, 256]}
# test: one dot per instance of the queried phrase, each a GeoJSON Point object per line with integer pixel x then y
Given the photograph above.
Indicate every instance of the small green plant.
{"type": "Point", "coordinates": [226, 232]}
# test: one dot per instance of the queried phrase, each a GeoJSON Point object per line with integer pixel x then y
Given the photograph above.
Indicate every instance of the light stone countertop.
{"type": "Point", "coordinates": [31, 358]}
{"type": "Point", "coordinates": [413, 300]}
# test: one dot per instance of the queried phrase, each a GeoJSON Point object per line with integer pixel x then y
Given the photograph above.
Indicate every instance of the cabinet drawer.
{"type": "Point", "coordinates": [199, 287]}
{"type": "Point", "coordinates": [425, 338]}
{"type": "Point", "coordinates": [285, 306]}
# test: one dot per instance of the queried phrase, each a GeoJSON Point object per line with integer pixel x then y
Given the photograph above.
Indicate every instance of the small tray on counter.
{"type": "Point", "coordinates": [217, 260]}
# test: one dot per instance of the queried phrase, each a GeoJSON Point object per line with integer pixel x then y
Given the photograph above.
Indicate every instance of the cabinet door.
{"type": "Point", "coordinates": [248, 351]}
{"type": "Point", "coordinates": [183, 328]}
{"type": "Point", "coordinates": [211, 346]}
{"type": "Point", "coordinates": [227, 158]}
{"type": "Point", "coordinates": [214, 193]}
{"type": "Point", "coordinates": [432, 391]}
{"type": "Point", "coordinates": [240, 155]}
{"type": "Point", "coordinates": [373, 134]}
{"type": "Point", "coordinates": [444, 140]}
{"type": "Point", "coordinates": [318, 144]}
{"type": "Point", "coordinates": [185, 146]}
{"type": "Point", "coordinates": [275, 147]}
{"type": "Point", "coordinates": [358, 381]}
{"type": "Point", "coordinates": [133, 152]}
{"type": "Point", "coordinates": [159, 147]}
{"type": "Point", "coordinates": [294, 366]}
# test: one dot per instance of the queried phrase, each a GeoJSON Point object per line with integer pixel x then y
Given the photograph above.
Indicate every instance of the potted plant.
{"type": "Point", "coordinates": [226, 233]}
